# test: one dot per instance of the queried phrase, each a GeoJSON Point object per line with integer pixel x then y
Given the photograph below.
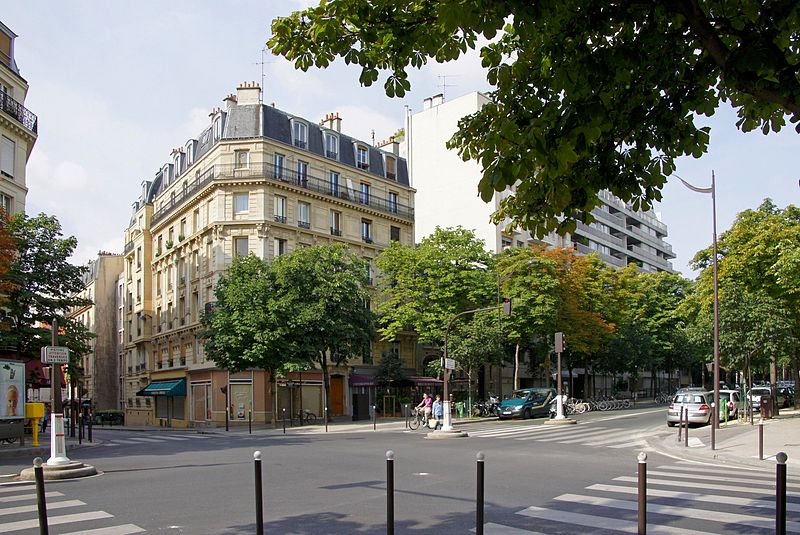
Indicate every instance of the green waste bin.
{"type": "Point", "coordinates": [460, 409]}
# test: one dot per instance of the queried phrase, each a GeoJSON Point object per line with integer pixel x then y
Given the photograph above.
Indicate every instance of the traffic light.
{"type": "Point", "coordinates": [560, 342]}
{"type": "Point", "coordinates": [507, 306]}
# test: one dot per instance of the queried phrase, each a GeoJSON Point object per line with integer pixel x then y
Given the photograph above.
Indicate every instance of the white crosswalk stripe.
{"type": "Point", "coordinates": [129, 440]}
{"type": "Point", "coordinates": [742, 498]}
{"type": "Point", "coordinates": [19, 514]}
{"type": "Point", "coordinates": [583, 434]}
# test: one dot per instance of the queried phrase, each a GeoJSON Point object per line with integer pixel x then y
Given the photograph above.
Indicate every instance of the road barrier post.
{"type": "Point", "coordinates": [680, 425]}
{"type": "Point", "coordinates": [480, 494]}
{"type": "Point", "coordinates": [406, 415]}
{"type": "Point", "coordinates": [760, 441]}
{"type": "Point", "coordinates": [41, 503]}
{"type": "Point", "coordinates": [390, 492]}
{"type": "Point", "coordinates": [250, 422]}
{"type": "Point", "coordinates": [89, 426]}
{"type": "Point", "coordinates": [80, 429]}
{"type": "Point", "coordinates": [284, 421]}
{"type": "Point", "coordinates": [686, 430]}
{"type": "Point", "coordinates": [642, 493]}
{"type": "Point", "coordinates": [780, 493]}
{"type": "Point", "coordinates": [259, 496]}
{"type": "Point", "coordinates": [326, 418]}
{"type": "Point", "coordinates": [374, 418]}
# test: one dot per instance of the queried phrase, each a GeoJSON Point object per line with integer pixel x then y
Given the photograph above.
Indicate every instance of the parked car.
{"type": "Point", "coordinates": [756, 393]}
{"type": "Point", "coordinates": [731, 398]}
{"type": "Point", "coordinates": [788, 396]}
{"type": "Point", "coordinates": [698, 404]}
{"type": "Point", "coordinates": [526, 403]}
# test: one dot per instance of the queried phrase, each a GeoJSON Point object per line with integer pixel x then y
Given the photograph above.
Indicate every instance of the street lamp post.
{"type": "Point", "coordinates": [715, 410]}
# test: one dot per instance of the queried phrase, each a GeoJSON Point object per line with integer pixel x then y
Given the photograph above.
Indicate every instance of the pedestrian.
{"type": "Point", "coordinates": [46, 417]}
{"type": "Point", "coordinates": [438, 411]}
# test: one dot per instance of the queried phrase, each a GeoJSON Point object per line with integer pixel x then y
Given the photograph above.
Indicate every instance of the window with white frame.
{"type": "Point", "coordinates": [280, 209]}
{"type": "Point", "coordinates": [392, 201]}
{"type": "Point", "coordinates": [300, 134]}
{"type": "Point", "coordinates": [303, 214]}
{"type": "Point", "coordinates": [277, 165]}
{"type": "Point", "coordinates": [6, 203]}
{"type": "Point", "coordinates": [189, 153]}
{"type": "Point", "coordinates": [391, 168]}
{"type": "Point", "coordinates": [279, 246]}
{"type": "Point", "coordinates": [394, 233]}
{"type": "Point", "coordinates": [242, 158]}
{"type": "Point", "coordinates": [364, 193]}
{"type": "Point", "coordinates": [334, 183]}
{"type": "Point", "coordinates": [366, 230]}
{"type": "Point", "coordinates": [302, 173]}
{"type": "Point", "coordinates": [336, 220]}
{"type": "Point", "coordinates": [241, 203]}
{"type": "Point", "coordinates": [7, 158]}
{"type": "Point", "coordinates": [217, 127]}
{"type": "Point", "coordinates": [240, 246]}
{"type": "Point", "coordinates": [176, 163]}
{"type": "Point", "coordinates": [331, 146]}
{"type": "Point", "coordinates": [362, 157]}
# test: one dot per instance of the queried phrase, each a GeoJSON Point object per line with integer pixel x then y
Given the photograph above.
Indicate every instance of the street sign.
{"type": "Point", "coordinates": [449, 364]}
{"type": "Point", "coordinates": [55, 355]}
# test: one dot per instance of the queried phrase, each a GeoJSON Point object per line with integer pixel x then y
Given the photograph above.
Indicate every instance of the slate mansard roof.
{"type": "Point", "coordinates": [252, 121]}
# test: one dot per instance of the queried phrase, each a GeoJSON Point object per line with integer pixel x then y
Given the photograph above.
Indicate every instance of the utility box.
{"type": "Point", "coordinates": [34, 410]}
{"type": "Point", "coordinates": [766, 407]}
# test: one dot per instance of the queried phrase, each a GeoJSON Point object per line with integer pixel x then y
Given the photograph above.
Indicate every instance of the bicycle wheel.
{"type": "Point", "coordinates": [414, 423]}
{"type": "Point", "coordinates": [311, 418]}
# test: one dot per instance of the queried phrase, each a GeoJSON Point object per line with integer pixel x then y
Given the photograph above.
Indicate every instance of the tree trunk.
{"type": "Point", "coordinates": [516, 367]}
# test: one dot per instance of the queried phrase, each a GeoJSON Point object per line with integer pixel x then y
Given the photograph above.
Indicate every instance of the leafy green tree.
{"type": "Point", "coordinates": [390, 369]}
{"type": "Point", "coordinates": [476, 342]}
{"type": "Point", "coordinates": [321, 298]}
{"type": "Point", "coordinates": [530, 280]}
{"type": "Point", "coordinates": [587, 95]}
{"type": "Point", "coordinates": [423, 287]}
{"type": "Point", "coordinates": [41, 286]}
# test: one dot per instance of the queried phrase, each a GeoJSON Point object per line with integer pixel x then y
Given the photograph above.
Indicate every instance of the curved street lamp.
{"type": "Point", "coordinates": [715, 409]}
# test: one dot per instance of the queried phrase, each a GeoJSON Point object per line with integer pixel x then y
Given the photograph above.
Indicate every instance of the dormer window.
{"type": "Point", "coordinates": [391, 168]}
{"type": "Point", "coordinates": [176, 163]}
{"type": "Point", "coordinates": [166, 175]}
{"type": "Point", "coordinates": [362, 157]}
{"type": "Point", "coordinates": [217, 127]}
{"type": "Point", "coordinates": [300, 134]}
{"type": "Point", "coordinates": [331, 146]}
{"type": "Point", "coordinates": [190, 153]}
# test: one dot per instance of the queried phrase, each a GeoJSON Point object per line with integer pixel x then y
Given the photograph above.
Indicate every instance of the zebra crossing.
{"type": "Point", "coordinates": [19, 514]}
{"type": "Point", "coordinates": [594, 436]}
{"type": "Point", "coordinates": [683, 498]}
{"type": "Point", "coordinates": [133, 440]}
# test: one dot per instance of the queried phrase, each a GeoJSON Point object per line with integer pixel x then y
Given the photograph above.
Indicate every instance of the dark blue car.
{"type": "Point", "coordinates": [526, 403]}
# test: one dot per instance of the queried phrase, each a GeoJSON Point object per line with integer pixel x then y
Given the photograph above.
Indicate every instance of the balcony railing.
{"type": "Point", "coordinates": [304, 224]}
{"type": "Point", "coordinates": [19, 112]}
{"type": "Point", "coordinates": [128, 248]}
{"type": "Point", "coordinates": [280, 219]}
{"type": "Point", "coordinates": [336, 231]}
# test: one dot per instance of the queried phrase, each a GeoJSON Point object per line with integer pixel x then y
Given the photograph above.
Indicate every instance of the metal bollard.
{"type": "Point", "coordinates": [89, 427]}
{"type": "Point", "coordinates": [406, 415]}
{"type": "Point", "coordinates": [40, 499]}
{"type": "Point", "coordinates": [250, 422]}
{"type": "Point", "coordinates": [284, 421]}
{"type": "Point", "coordinates": [259, 497]}
{"type": "Point", "coordinates": [80, 429]}
{"type": "Point", "coordinates": [780, 493]}
{"type": "Point", "coordinates": [374, 418]}
{"type": "Point", "coordinates": [686, 430]}
{"type": "Point", "coordinates": [680, 425]}
{"type": "Point", "coordinates": [642, 493]}
{"type": "Point", "coordinates": [390, 492]}
{"type": "Point", "coordinates": [480, 493]}
{"type": "Point", "coordinates": [760, 441]}
{"type": "Point", "coordinates": [325, 412]}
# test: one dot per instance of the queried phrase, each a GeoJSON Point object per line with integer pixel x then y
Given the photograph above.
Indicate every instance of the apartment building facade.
{"type": "Point", "coordinates": [99, 380]}
{"type": "Point", "coordinates": [257, 181]}
{"type": "Point", "coordinates": [18, 128]}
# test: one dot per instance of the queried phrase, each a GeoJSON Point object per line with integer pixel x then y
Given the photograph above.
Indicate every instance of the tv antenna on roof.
{"type": "Point", "coordinates": [262, 63]}
{"type": "Point", "coordinates": [443, 83]}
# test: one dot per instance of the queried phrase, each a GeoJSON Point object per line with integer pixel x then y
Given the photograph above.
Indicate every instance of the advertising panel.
{"type": "Point", "coordinates": [12, 390]}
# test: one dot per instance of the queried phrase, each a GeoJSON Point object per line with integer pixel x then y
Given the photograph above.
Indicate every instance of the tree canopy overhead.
{"type": "Point", "coordinates": [588, 94]}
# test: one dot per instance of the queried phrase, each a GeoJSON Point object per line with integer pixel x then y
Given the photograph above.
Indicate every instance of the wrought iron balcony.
{"type": "Point", "coordinates": [19, 112]}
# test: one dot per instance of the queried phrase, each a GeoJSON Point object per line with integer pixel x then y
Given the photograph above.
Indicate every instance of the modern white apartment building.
{"type": "Point", "coordinates": [447, 195]}
{"type": "Point", "coordinates": [258, 180]}
{"type": "Point", "coordinates": [18, 128]}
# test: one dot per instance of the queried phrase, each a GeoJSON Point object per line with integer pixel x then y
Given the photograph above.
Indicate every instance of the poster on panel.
{"type": "Point", "coordinates": [12, 390]}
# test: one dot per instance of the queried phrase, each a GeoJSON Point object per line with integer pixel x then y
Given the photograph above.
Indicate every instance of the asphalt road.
{"type": "Point", "coordinates": [316, 483]}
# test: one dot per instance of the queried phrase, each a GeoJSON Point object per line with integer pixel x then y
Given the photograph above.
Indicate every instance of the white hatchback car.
{"type": "Point", "coordinates": [732, 398]}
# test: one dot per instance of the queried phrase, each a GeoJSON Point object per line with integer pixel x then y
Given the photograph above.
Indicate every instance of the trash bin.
{"type": "Point", "coordinates": [766, 407]}
{"type": "Point", "coordinates": [460, 409]}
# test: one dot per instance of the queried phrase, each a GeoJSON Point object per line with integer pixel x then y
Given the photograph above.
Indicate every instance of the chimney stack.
{"type": "Point", "coordinates": [391, 146]}
{"type": "Point", "coordinates": [332, 121]}
{"type": "Point", "coordinates": [248, 93]}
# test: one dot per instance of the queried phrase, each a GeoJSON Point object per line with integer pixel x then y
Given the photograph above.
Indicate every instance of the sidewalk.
{"type": "Point", "coordinates": [737, 443]}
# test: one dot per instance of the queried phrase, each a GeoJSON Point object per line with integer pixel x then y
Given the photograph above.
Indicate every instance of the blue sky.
{"type": "Point", "coordinates": [117, 85]}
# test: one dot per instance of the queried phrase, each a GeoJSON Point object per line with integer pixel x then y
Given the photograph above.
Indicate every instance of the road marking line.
{"type": "Point", "coordinates": [23, 497]}
{"type": "Point", "coordinates": [755, 473]}
{"type": "Point", "coordinates": [609, 441]}
{"type": "Point", "coordinates": [125, 529]}
{"type": "Point", "coordinates": [498, 529]}
{"type": "Point", "coordinates": [142, 439]}
{"type": "Point", "coordinates": [35, 507]}
{"type": "Point", "coordinates": [165, 437]}
{"type": "Point", "coordinates": [502, 433]}
{"type": "Point", "coordinates": [681, 512]}
{"type": "Point", "coordinates": [576, 433]}
{"type": "Point", "coordinates": [635, 443]}
{"type": "Point", "coordinates": [695, 496]}
{"type": "Point", "coordinates": [726, 479]}
{"type": "Point", "coordinates": [610, 433]}
{"type": "Point", "coordinates": [53, 521]}
{"type": "Point", "coordinates": [710, 486]}
{"type": "Point", "coordinates": [15, 487]}
{"type": "Point", "coordinates": [601, 522]}
{"type": "Point", "coordinates": [607, 418]}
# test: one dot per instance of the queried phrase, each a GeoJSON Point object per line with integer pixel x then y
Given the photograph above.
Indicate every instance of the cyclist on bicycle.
{"type": "Point", "coordinates": [425, 406]}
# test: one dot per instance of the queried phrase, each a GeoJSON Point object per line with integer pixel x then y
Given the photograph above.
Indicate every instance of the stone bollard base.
{"type": "Point", "coordinates": [71, 470]}
{"type": "Point", "coordinates": [442, 434]}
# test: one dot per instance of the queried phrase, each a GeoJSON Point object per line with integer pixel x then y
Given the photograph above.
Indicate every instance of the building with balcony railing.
{"type": "Point", "coordinates": [257, 181]}
{"type": "Point", "coordinates": [18, 128]}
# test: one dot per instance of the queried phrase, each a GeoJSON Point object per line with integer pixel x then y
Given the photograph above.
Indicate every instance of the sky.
{"type": "Point", "coordinates": [117, 85]}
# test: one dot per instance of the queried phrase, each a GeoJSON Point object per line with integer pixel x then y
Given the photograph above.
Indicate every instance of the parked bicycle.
{"type": "Point", "coordinates": [307, 416]}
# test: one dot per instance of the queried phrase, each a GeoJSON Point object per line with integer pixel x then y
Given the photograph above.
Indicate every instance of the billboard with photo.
{"type": "Point", "coordinates": [12, 390]}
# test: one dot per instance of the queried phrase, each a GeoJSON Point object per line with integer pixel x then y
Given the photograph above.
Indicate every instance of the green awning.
{"type": "Point", "coordinates": [174, 387]}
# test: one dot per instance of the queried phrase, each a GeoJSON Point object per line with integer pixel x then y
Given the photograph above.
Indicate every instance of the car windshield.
{"type": "Point", "coordinates": [520, 394]}
{"type": "Point", "coordinates": [689, 398]}
{"type": "Point", "coordinates": [725, 395]}
{"type": "Point", "coordinates": [759, 392]}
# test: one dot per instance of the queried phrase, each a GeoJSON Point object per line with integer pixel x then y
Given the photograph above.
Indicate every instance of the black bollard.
{"type": "Point", "coordinates": [780, 494]}
{"type": "Point", "coordinates": [760, 441]}
{"type": "Point", "coordinates": [325, 412]}
{"type": "Point", "coordinates": [89, 427]}
{"type": "Point", "coordinates": [227, 419]}
{"type": "Point", "coordinates": [38, 472]}
{"type": "Point", "coordinates": [686, 430]}
{"type": "Point", "coordinates": [284, 421]}
{"type": "Point", "coordinates": [642, 493]}
{"type": "Point", "coordinates": [479, 497]}
{"type": "Point", "coordinates": [406, 415]}
{"type": "Point", "coordinates": [390, 492]}
{"type": "Point", "coordinates": [259, 497]}
{"type": "Point", "coordinates": [250, 422]}
{"type": "Point", "coordinates": [80, 429]}
{"type": "Point", "coordinates": [374, 418]}
{"type": "Point", "coordinates": [680, 425]}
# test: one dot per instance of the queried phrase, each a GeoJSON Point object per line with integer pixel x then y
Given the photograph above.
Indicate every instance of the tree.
{"type": "Point", "coordinates": [42, 285]}
{"type": "Point", "coordinates": [390, 369]}
{"type": "Point", "coordinates": [588, 95]}
{"type": "Point", "coordinates": [321, 298]}
{"type": "Point", "coordinates": [423, 287]}
{"type": "Point", "coordinates": [476, 342]}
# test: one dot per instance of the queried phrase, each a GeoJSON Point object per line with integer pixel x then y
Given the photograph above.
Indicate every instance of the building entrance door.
{"type": "Point", "coordinates": [337, 395]}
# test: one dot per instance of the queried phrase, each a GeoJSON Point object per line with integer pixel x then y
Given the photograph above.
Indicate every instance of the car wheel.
{"type": "Point", "coordinates": [671, 424]}
{"type": "Point", "coordinates": [526, 414]}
